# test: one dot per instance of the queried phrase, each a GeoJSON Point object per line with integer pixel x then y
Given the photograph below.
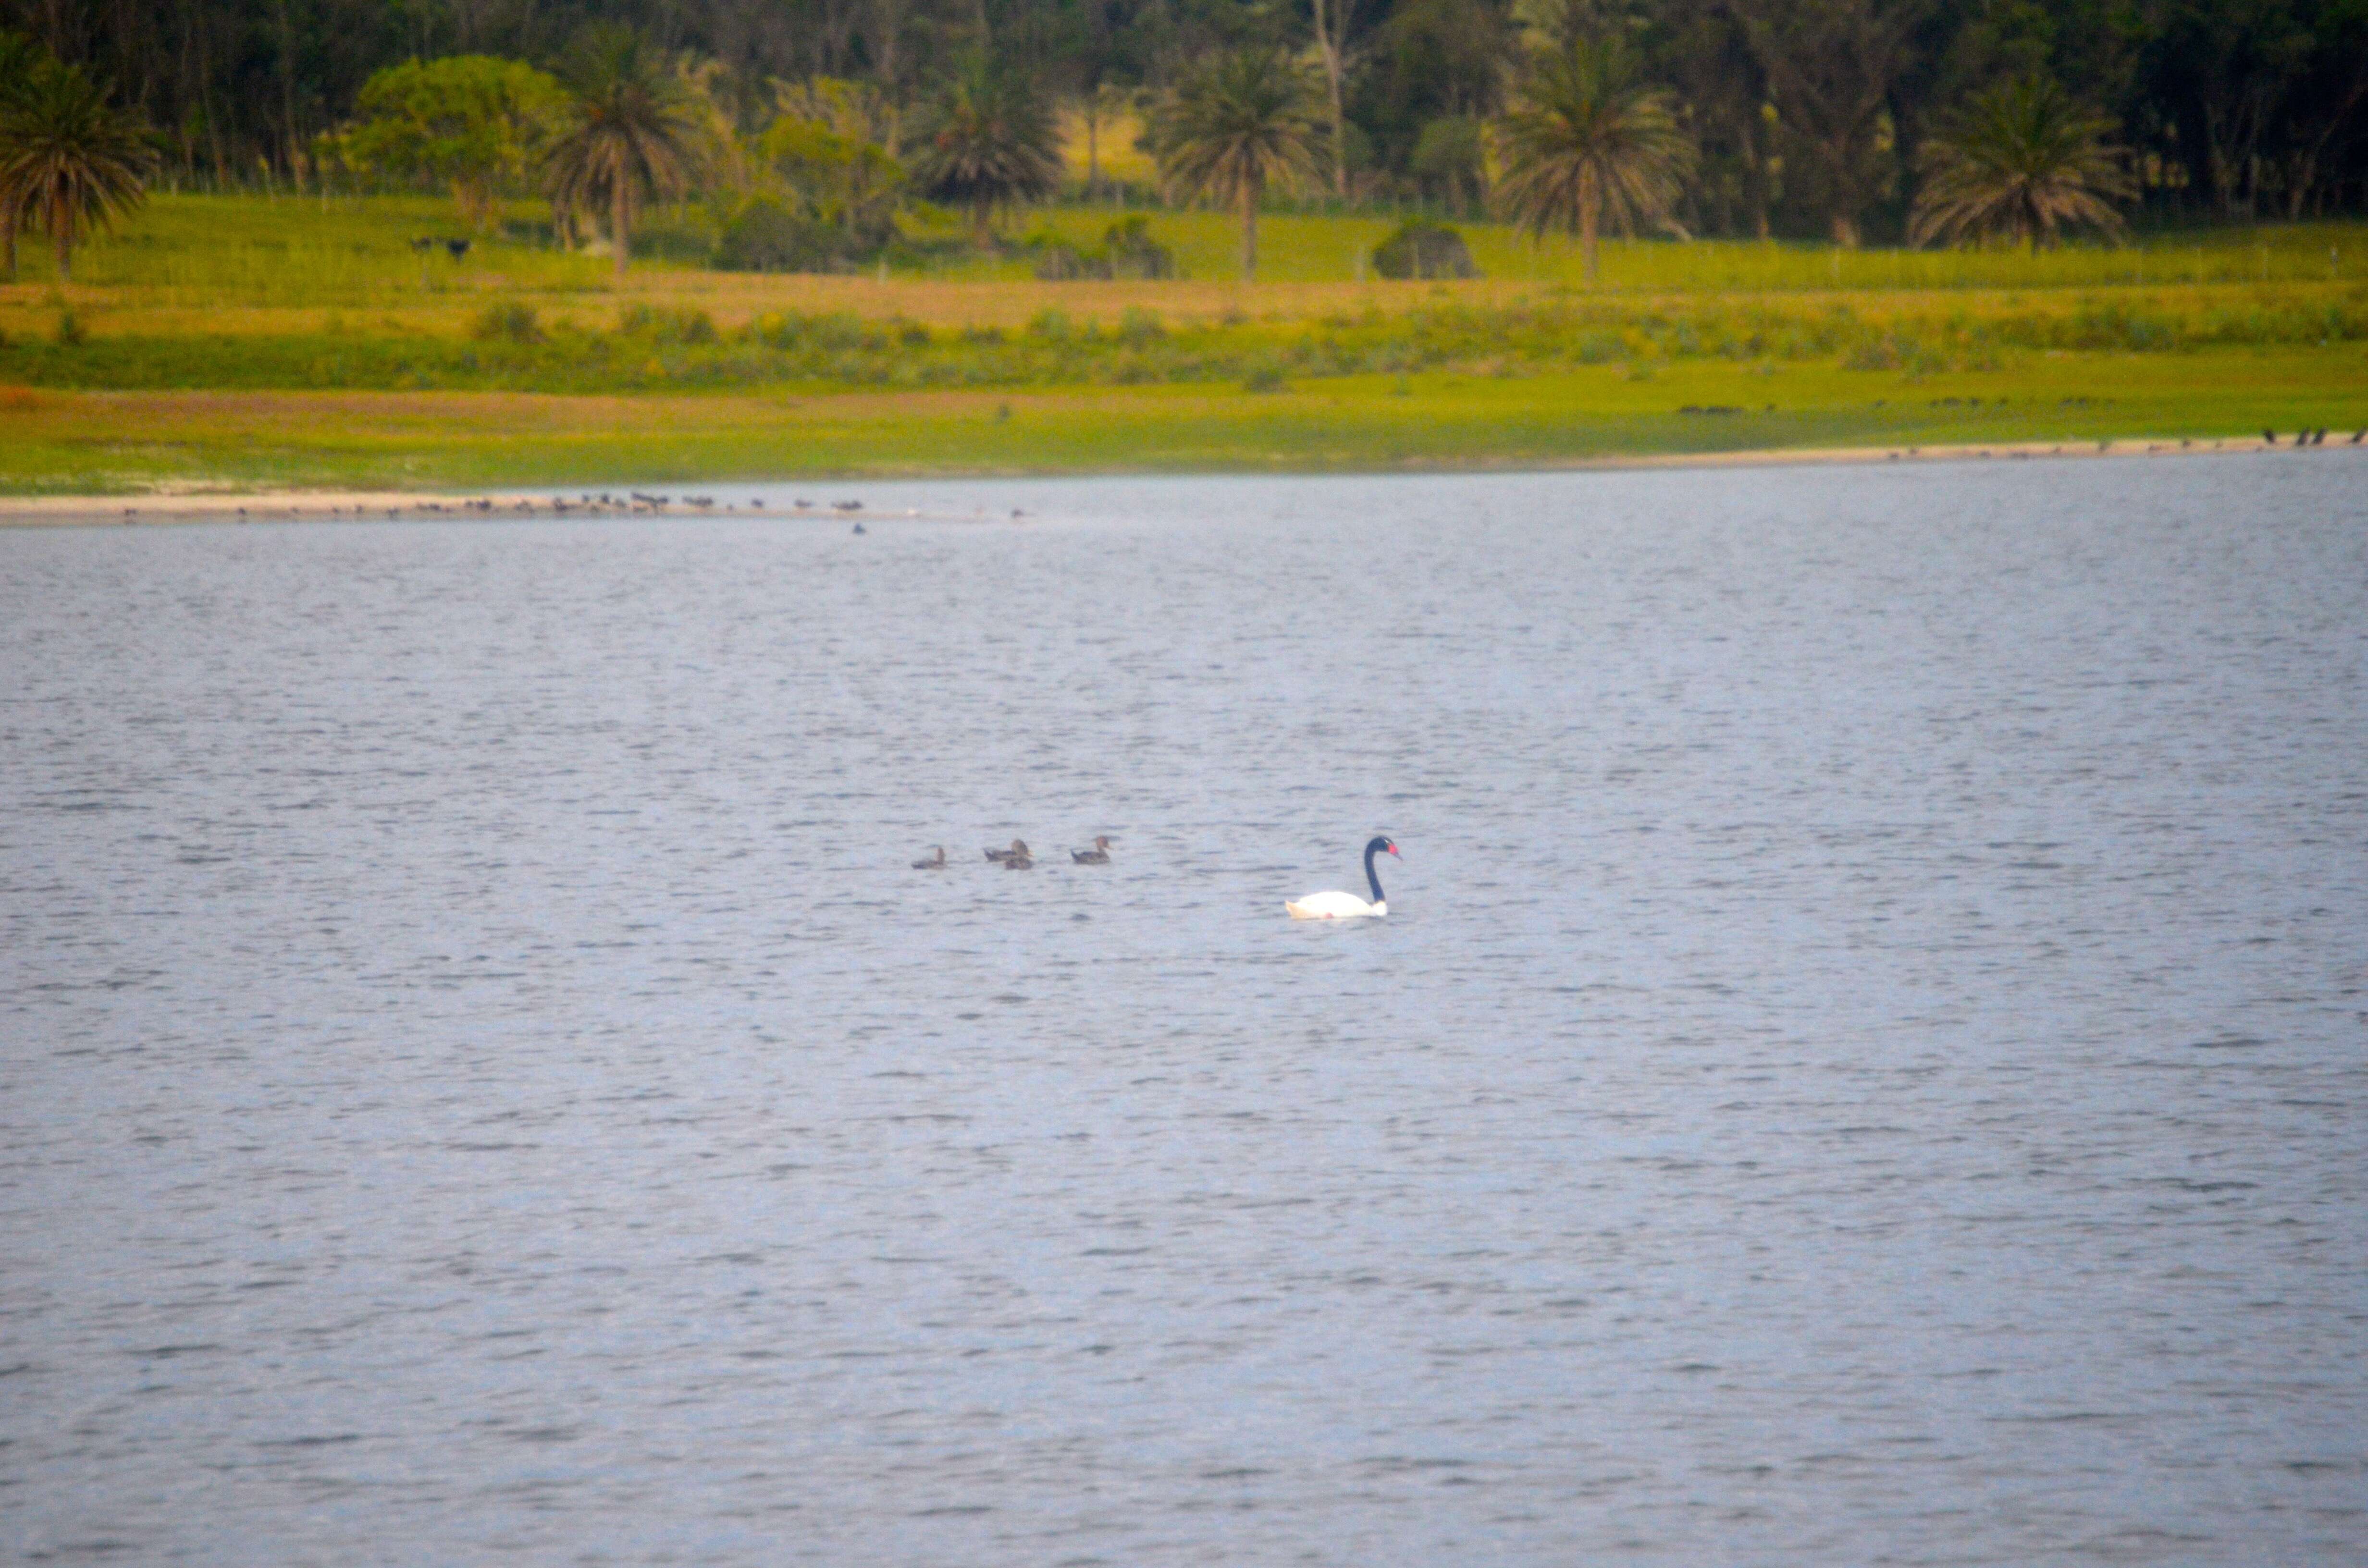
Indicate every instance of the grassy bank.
{"type": "Point", "coordinates": [117, 442]}
{"type": "Point", "coordinates": [212, 250]}
{"type": "Point", "coordinates": [221, 340]}
{"type": "Point", "coordinates": [509, 344]}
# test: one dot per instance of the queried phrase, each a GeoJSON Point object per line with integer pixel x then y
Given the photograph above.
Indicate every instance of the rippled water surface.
{"type": "Point", "coordinates": [1866, 1062]}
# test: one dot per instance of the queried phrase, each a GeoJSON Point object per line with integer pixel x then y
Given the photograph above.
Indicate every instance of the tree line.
{"type": "Point", "coordinates": [1847, 120]}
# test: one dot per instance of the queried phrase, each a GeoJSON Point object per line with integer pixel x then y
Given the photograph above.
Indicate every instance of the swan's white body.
{"type": "Point", "coordinates": [1335, 906]}
{"type": "Point", "coordinates": [1347, 906]}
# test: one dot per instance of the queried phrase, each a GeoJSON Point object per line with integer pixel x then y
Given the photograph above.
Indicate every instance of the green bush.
{"type": "Point", "coordinates": [1421, 249]}
{"type": "Point", "coordinates": [1059, 262]}
{"type": "Point", "coordinates": [667, 324]}
{"type": "Point", "coordinates": [1127, 251]}
{"type": "Point", "coordinates": [1132, 251]}
{"type": "Point", "coordinates": [1139, 328]}
{"type": "Point", "coordinates": [507, 321]}
{"type": "Point", "coordinates": [764, 236]}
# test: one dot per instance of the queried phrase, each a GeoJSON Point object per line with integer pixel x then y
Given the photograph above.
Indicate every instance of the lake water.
{"type": "Point", "coordinates": [1866, 1062]}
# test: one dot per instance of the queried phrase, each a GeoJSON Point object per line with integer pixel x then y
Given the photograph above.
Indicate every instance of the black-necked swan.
{"type": "Point", "coordinates": [934, 863]}
{"type": "Point", "coordinates": [1098, 856]}
{"type": "Point", "coordinates": [1019, 849]}
{"type": "Point", "coordinates": [1347, 906]}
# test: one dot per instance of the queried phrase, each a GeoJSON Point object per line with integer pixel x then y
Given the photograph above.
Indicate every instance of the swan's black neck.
{"type": "Point", "coordinates": [1372, 880]}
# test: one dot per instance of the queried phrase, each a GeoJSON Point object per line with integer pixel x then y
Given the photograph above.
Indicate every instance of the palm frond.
{"type": "Point", "coordinates": [988, 142]}
{"type": "Point", "coordinates": [2023, 161]}
{"type": "Point", "coordinates": [1587, 145]}
{"type": "Point", "coordinates": [1240, 123]}
{"type": "Point", "coordinates": [1243, 121]}
{"type": "Point", "coordinates": [70, 162]}
{"type": "Point", "coordinates": [630, 130]}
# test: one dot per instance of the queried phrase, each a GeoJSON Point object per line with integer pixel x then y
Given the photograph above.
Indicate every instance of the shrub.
{"type": "Point", "coordinates": [766, 236]}
{"type": "Point", "coordinates": [1601, 348]}
{"type": "Point", "coordinates": [1060, 263]}
{"type": "Point", "coordinates": [667, 324]}
{"type": "Point", "coordinates": [1421, 249]}
{"type": "Point", "coordinates": [1132, 253]}
{"type": "Point", "coordinates": [508, 320]}
{"type": "Point", "coordinates": [1127, 251]}
{"type": "Point", "coordinates": [1139, 328]}
{"type": "Point", "coordinates": [842, 332]}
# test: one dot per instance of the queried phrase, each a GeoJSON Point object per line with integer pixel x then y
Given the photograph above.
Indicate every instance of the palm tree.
{"type": "Point", "coordinates": [630, 130]}
{"type": "Point", "coordinates": [69, 161]}
{"type": "Point", "coordinates": [16, 67]}
{"type": "Point", "coordinates": [2021, 160]}
{"type": "Point", "coordinates": [1587, 142]}
{"type": "Point", "coordinates": [1239, 122]}
{"type": "Point", "coordinates": [989, 141]}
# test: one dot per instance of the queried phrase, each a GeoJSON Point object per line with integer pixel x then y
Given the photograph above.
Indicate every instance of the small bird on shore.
{"type": "Point", "coordinates": [936, 862]}
{"type": "Point", "coordinates": [2270, 437]}
{"type": "Point", "coordinates": [1098, 856]}
{"type": "Point", "coordinates": [1019, 850]}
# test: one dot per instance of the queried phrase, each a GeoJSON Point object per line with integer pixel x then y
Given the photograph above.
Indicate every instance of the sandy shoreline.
{"type": "Point", "coordinates": [673, 501]}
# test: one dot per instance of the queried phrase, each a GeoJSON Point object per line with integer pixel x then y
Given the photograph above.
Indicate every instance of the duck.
{"type": "Point", "coordinates": [1347, 906]}
{"type": "Point", "coordinates": [1018, 861]}
{"type": "Point", "coordinates": [936, 862]}
{"type": "Point", "coordinates": [1098, 856]}
{"type": "Point", "coordinates": [1019, 850]}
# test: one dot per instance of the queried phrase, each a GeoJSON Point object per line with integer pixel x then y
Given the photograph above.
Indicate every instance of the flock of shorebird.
{"type": "Point", "coordinates": [1018, 859]}
{"type": "Point", "coordinates": [633, 503]}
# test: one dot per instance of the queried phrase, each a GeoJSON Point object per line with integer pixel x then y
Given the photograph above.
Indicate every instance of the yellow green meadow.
{"type": "Point", "coordinates": [240, 342]}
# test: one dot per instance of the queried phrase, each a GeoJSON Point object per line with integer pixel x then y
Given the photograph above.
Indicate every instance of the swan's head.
{"type": "Point", "coordinates": [1380, 845]}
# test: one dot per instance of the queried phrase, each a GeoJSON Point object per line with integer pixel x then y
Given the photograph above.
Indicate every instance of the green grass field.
{"type": "Point", "coordinates": [117, 443]}
{"type": "Point", "coordinates": [206, 250]}
{"type": "Point", "coordinates": [218, 341]}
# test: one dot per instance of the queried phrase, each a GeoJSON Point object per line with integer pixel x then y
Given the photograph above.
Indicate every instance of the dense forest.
{"type": "Point", "coordinates": [1803, 115]}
